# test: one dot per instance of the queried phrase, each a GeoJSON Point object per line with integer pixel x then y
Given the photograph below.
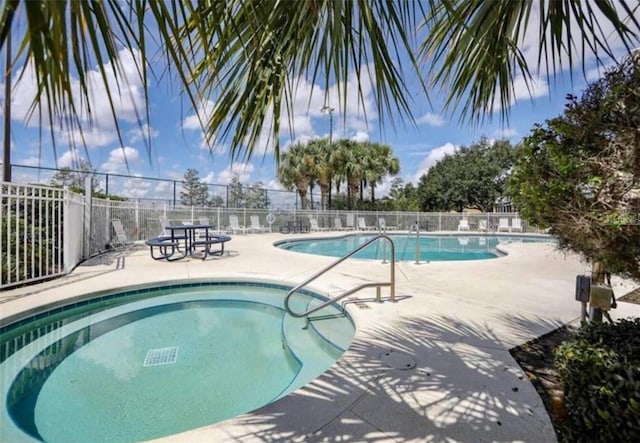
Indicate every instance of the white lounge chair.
{"type": "Point", "coordinates": [351, 222]}
{"type": "Point", "coordinates": [337, 223]}
{"type": "Point", "coordinates": [463, 225]}
{"type": "Point", "coordinates": [482, 225]}
{"type": "Point", "coordinates": [212, 230]}
{"type": "Point", "coordinates": [121, 240]}
{"type": "Point", "coordinates": [516, 225]}
{"type": "Point", "coordinates": [255, 224]}
{"type": "Point", "coordinates": [362, 225]}
{"type": "Point", "coordinates": [503, 225]}
{"type": "Point", "coordinates": [164, 222]}
{"type": "Point", "coordinates": [234, 225]}
{"type": "Point", "coordinates": [382, 224]}
{"type": "Point", "coordinates": [313, 225]}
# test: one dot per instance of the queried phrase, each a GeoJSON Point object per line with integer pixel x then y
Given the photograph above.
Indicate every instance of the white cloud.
{"type": "Point", "coordinates": [128, 96]}
{"type": "Point", "coordinates": [382, 189]}
{"type": "Point", "coordinates": [91, 137]}
{"type": "Point", "coordinates": [360, 136]}
{"type": "Point", "coordinates": [118, 159]}
{"type": "Point", "coordinates": [505, 132]}
{"type": "Point", "coordinates": [31, 161]}
{"type": "Point", "coordinates": [431, 120]}
{"type": "Point", "coordinates": [68, 159]}
{"type": "Point", "coordinates": [137, 188]}
{"type": "Point", "coordinates": [434, 156]}
{"type": "Point", "coordinates": [210, 178]}
{"type": "Point", "coordinates": [242, 170]}
{"type": "Point", "coordinates": [275, 185]}
{"type": "Point", "coordinates": [200, 116]}
{"type": "Point", "coordinates": [523, 89]}
{"type": "Point", "coordinates": [144, 132]}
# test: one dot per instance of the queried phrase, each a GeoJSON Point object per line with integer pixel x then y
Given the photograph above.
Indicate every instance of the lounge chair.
{"type": "Point", "coordinates": [164, 222]}
{"type": "Point", "coordinates": [482, 225]}
{"type": "Point", "coordinates": [382, 224]}
{"type": "Point", "coordinates": [121, 240]}
{"type": "Point", "coordinates": [362, 225]}
{"type": "Point", "coordinates": [212, 231]}
{"type": "Point", "coordinates": [255, 224]}
{"type": "Point", "coordinates": [463, 225]}
{"type": "Point", "coordinates": [337, 223]}
{"type": "Point", "coordinates": [516, 225]}
{"type": "Point", "coordinates": [234, 225]}
{"type": "Point", "coordinates": [351, 222]}
{"type": "Point", "coordinates": [503, 225]}
{"type": "Point", "coordinates": [313, 225]}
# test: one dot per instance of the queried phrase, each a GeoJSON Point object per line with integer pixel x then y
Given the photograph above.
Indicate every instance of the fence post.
{"type": "Point", "coordinates": [66, 229]}
{"type": "Point", "coordinates": [137, 219]}
{"type": "Point", "coordinates": [87, 218]}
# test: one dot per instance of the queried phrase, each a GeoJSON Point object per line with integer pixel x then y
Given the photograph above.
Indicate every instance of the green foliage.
{"type": "Point", "coordinates": [403, 197]}
{"type": "Point", "coordinates": [249, 55]}
{"type": "Point", "coordinates": [356, 164]}
{"type": "Point", "coordinates": [194, 192]}
{"type": "Point", "coordinates": [74, 178]}
{"type": "Point", "coordinates": [472, 177]}
{"type": "Point", "coordinates": [239, 196]}
{"type": "Point", "coordinates": [600, 371]}
{"type": "Point", "coordinates": [580, 172]}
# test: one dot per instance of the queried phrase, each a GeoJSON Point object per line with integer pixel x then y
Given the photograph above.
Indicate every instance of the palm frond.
{"type": "Point", "coordinates": [472, 45]}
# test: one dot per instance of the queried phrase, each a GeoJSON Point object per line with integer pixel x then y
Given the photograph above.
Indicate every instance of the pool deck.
{"type": "Point", "coordinates": [448, 375]}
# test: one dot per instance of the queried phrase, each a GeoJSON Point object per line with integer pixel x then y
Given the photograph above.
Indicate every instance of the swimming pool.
{"type": "Point", "coordinates": [431, 247]}
{"type": "Point", "coordinates": [150, 362]}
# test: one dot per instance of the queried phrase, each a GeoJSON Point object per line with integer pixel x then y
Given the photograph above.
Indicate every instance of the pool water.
{"type": "Point", "coordinates": [407, 247]}
{"type": "Point", "coordinates": [166, 364]}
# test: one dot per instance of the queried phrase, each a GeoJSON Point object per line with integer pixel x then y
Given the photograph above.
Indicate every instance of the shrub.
{"type": "Point", "coordinates": [600, 370]}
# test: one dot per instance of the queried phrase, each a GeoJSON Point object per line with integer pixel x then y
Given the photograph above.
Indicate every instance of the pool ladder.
{"type": "Point", "coordinates": [391, 283]}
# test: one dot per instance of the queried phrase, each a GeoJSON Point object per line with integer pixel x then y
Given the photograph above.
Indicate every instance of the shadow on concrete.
{"type": "Point", "coordinates": [464, 387]}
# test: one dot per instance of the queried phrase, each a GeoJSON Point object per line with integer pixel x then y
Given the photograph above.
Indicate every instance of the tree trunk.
{"type": "Point", "coordinates": [303, 198]}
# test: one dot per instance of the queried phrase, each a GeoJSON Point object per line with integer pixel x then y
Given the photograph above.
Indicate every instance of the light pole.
{"type": "Point", "coordinates": [328, 109]}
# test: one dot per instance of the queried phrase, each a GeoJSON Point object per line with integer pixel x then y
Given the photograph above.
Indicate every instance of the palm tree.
{"type": "Point", "coordinates": [320, 150]}
{"type": "Point", "coordinates": [249, 54]}
{"type": "Point", "coordinates": [382, 163]}
{"type": "Point", "coordinates": [296, 171]}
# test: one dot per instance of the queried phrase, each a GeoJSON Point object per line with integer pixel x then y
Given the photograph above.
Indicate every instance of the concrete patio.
{"type": "Point", "coordinates": [432, 367]}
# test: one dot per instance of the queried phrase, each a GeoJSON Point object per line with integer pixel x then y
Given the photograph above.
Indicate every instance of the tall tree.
{"type": "Point", "coordinates": [472, 177]}
{"type": "Point", "coordinates": [194, 192]}
{"type": "Point", "coordinates": [249, 54]}
{"type": "Point", "coordinates": [321, 151]}
{"type": "Point", "coordinates": [256, 196]}
{"type": "Point", "coordinates": [382, 163]}
{"type": "Point", "coordinates": [579, 173]}
{"type": "Point", "coordinates": [297, 171]}
{"type": "Point", "coordinates": [74, 178]}
{"type": "Point", "coordinates": [235, 193]}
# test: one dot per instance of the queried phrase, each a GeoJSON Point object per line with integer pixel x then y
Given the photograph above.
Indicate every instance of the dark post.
{"type": "Point", "coordinates": [6, 157]}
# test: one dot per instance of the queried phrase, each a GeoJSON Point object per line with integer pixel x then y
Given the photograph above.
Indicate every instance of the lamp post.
{"type": "Point", "coordinates": [328, 109]}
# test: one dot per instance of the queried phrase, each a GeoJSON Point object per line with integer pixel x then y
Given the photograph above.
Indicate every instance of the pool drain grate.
{"type": "Point", "coordinates": [161, 356]}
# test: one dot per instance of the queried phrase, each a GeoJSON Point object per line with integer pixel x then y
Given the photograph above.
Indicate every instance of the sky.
{"type": "Point", "coordinates": [177, 141]}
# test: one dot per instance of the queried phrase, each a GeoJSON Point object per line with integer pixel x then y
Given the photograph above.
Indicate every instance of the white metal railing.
{"type": "Point", "coordinates": [46, 231]}
{"type": "Point", "coordinates": [391, 283]}
{"type": "Point", "coordinates": [31, 233]}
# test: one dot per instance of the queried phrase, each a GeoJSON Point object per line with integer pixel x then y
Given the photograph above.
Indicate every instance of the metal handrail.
{"type": "Point", "coordinates": [391, 284]}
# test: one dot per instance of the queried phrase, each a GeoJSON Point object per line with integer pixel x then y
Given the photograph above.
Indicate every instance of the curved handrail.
{"type": "Point", "coordinates": [391, 283]}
